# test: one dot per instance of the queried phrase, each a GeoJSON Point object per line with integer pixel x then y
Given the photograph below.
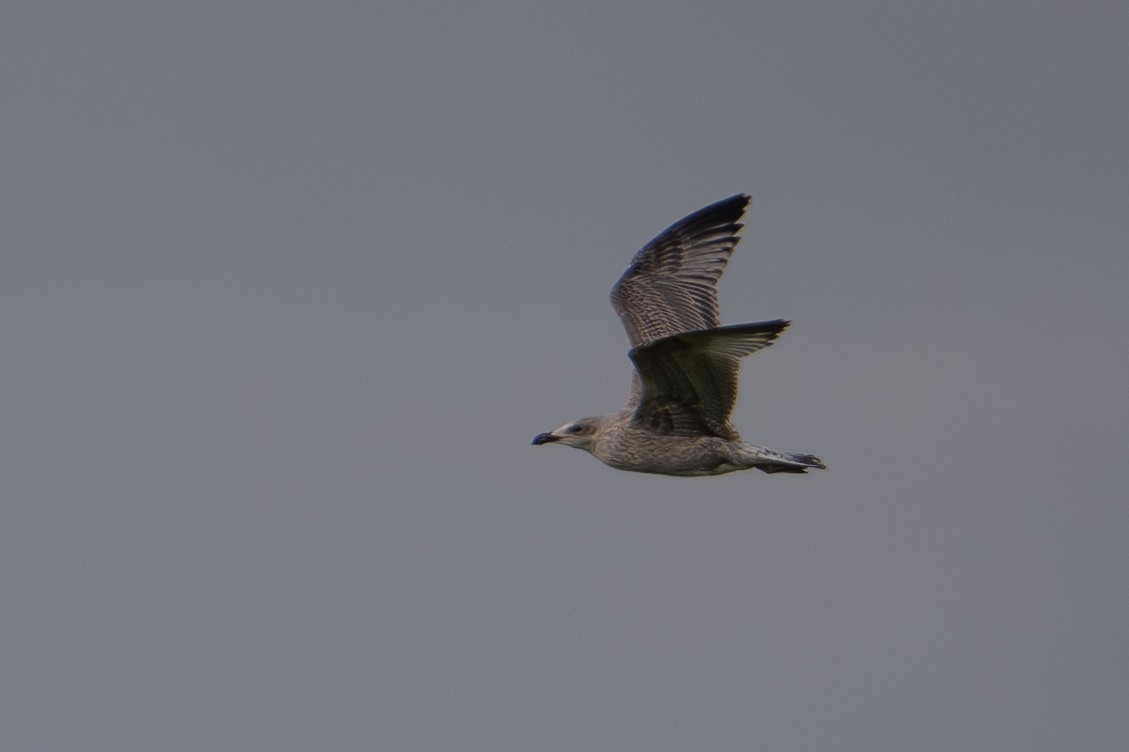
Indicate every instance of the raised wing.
{"type": "Point", "coordinates": [670, 286]}
{"type": "Point", "coordinates": [688, 382]}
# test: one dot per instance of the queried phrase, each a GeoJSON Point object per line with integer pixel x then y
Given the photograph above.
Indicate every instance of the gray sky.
{"type": "Point", "coordinates": [287, 288]}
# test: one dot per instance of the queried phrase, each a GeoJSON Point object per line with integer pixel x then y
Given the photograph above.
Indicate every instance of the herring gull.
{"type": "Point", "coordinates": [684, 387]}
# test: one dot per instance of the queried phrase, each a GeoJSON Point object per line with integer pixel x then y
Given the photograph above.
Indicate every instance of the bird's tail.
{"type": "Point", "coordinates": [771, 461]}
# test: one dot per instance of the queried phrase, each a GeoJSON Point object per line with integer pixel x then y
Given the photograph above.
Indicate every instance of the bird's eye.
{"type": "Point", "coordinates": [574, 429]}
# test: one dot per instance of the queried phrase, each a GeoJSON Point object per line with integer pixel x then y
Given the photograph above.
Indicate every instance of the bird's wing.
{"type": "Point", "coordinates": [670, 286]}
{"type": "Point", "coordinates": [687, 384]}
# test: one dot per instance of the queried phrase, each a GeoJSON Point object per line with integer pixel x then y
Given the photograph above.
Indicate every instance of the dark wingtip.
{"type": "Point", "coordinates": [726, 213]}
{"type": "Point", "coordinates": [738, 199]}
{"type": "Point", "coordinates": [727, 210]}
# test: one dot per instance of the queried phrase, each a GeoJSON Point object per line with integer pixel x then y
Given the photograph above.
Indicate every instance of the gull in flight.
{"type": "Point", "coordinates": [676, 420]}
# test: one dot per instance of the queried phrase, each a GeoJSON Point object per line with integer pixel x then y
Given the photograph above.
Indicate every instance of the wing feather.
{"type": "Point", "coordinates": [670, 286]}
{"type": "Point", "coordinates": [687, 384]}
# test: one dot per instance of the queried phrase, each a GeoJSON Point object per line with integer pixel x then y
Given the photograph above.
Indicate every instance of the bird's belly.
{"type": "Point", "coordinates": [644, 452]}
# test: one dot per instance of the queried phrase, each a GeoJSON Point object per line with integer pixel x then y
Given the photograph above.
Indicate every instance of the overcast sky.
{"type": "Point", "coordinates": [286, 289]}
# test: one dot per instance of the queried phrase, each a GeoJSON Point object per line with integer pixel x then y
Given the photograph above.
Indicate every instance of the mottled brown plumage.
{"type": "Point", "coordinates": [676, 420]}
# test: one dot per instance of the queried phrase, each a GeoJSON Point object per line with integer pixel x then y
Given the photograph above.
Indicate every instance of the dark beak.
{"type": "Point", "coordinates": [543, 438]}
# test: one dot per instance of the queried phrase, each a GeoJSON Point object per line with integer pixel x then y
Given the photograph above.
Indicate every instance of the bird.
{"type": "Point", "coordinates": [684, 384]}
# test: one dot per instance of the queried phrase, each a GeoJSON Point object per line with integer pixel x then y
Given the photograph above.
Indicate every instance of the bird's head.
{"type": "Point", "coordinates": [580, 433]}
